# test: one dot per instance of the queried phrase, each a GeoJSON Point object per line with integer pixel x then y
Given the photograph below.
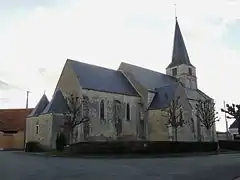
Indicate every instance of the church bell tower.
{"type": "Point", "coordinates": [180, 66]}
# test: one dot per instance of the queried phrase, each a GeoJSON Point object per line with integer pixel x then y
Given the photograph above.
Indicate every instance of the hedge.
{"type": "Point", "coordinates": [143, 147]}
{"type": "Point", "coordinates": [33, 146]}
{"type": "Point", "coordinates": [229, 145]}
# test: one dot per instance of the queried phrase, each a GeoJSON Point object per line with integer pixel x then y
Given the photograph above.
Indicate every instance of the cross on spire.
{"type": "Point", "coordinates": [175, 10]}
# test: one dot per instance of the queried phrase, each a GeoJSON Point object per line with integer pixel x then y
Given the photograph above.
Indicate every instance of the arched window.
{"type": "Point", "coordinates": [102, 110]}
{"type": "Point", "coordinates": [37, 128]}
{"type": "Point", "coordinates": [174, 71]}
{"type": "Point", "coordinates": [128, 112]}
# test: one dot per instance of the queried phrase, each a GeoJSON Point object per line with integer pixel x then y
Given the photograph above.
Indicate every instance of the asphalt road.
{"type": "Point", "coordinates": [21, 166]}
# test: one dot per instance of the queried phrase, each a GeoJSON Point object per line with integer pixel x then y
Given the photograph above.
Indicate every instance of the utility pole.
{"type": "Point", "coordinates": [27, 99]}
{"type": "Point", "coordinates": [24, 139]}
{"type": "Point", "coordinates": [225, 116]}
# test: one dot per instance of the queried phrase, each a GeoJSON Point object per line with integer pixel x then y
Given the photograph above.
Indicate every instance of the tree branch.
{"type": "Point", "coordinates": [234, 113]}
{"type": "Point", "coordinates": [205, 113]}
{"type": "Point", "coordinates": [74, 112]}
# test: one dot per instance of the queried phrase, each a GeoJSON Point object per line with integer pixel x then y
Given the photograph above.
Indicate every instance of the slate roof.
{"type": "Point", "coordinates": [40, 106]}
{"type": "Point", "coordinates": [179, 54]}
{"type": "Point", "coordinates": [13, 119]}
{"type": "Point", "coordinates": [102, 79]}
{"type": "Point", "coordinates": [234, 125]}
{"type": "Point", "coordinates": [164, 96]}
{"type": "Point", "coordinates": [58, 104]}
{"type": "Point", "coordinates": [195, 94]}
{"type": "Point", "coordinates": [148, 78]}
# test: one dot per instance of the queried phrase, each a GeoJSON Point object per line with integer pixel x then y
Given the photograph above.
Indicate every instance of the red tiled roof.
{"type": "Point", "coordinates": [13, 119]}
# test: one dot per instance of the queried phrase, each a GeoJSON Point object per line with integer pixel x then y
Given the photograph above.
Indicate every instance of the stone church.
{"type": "Point", "coordinates": [141, 95]}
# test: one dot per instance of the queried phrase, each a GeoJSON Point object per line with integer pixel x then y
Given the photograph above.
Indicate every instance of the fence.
{"type": "Point", "coordinates": [12, 141]}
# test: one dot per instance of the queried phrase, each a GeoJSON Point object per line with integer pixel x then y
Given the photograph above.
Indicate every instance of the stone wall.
{"type": "Point", "coordinates": [200, 130]}
{"type": "Point", "coordinates": [44, 135]}
{"type": "Point", "coordinates": [190, 81]}
{"type": "Point", "coordinates": [31, 128]}
{"type": "Point", "coordinates": [12, 141]}
{"type": "Point", "coordinates": [158, 128]}
{"type": "Point", "coordinates": [126, 70]}
{"type": "Point", "coordinates": [68, 81]}
{"type": "Point", "coordinates": [105, 128]}
{"type": "Point", "coordinates": [58, 121]}
{"type": "Point", "coordinates": [39, 129]}
{"type": "Point", "coordinates": [186, 132]}
{"type": "Point", "coordinates": [157, 125]}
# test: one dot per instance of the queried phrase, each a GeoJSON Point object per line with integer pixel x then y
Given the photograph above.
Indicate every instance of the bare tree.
{"type": "Point", "coordinates": [75, 116]}
{"type": "Point", "coordinates": [234, 113]}
{"type": "Point", "coordinates": [117, 118]}
{"type": "Point", "coordinates": [206, 114]}
{"type": "Point", "coordinates": [192, 126]}
{"type": "Point", "coordinates": [175, 116]}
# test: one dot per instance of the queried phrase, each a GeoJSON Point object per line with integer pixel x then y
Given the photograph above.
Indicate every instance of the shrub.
{"type": "Point", "coordinates": [60, 142]}
{"type": "Point", "coordinates": [33, 146]}
{"type": "Point", "coordinates": [142, 147]}
{"type": "Point", "coordinates": [230, 145]}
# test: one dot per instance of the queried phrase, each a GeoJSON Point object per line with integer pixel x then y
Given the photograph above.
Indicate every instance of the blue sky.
{"type": "Point", "coordinates": [36, 37]}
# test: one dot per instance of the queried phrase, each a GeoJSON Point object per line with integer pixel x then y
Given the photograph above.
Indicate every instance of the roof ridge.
{"type": "Point", "coordinates": [144, 68]}
{"type": "Point", "coordinates": [167, 85]}
{"type": "Point", "coordinates": [98, 66]}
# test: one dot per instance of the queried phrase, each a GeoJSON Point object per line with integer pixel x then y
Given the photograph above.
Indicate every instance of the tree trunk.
{"type": "Point", "coordinates": [199, 134]}
{"type": "Point", "coordinates": [209, 134]}
{"type": "Point", "coordinates": [71, 137]}
{"type": "Point", "coordinates": [238, 120]}
{"type": "Point", "coordinates": [176, 134]}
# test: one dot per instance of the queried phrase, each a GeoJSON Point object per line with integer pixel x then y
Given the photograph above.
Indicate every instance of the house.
{"type": "Point", "coordinates": [12, 128]}
{"type": "Point", "coordinates": [224, 136]}
{"type": "Point", "coordinates": [129, 103]}
{"type": "Point", "coordinates": [233, 130]}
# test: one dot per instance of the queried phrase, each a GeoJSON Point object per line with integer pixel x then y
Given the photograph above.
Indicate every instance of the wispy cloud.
{"type": "Point", "coordinates": [3, 85]}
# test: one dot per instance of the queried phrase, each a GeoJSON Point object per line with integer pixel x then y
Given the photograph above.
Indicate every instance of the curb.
{"type": "Point", "coordinates": [137, 156]}
{"type": "Point", "coordinates": [125, 156]}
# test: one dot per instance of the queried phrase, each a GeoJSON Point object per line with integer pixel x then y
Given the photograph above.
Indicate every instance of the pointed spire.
{"type": "Point", "coordinates": [43, 102]}
{"type": "Point", "coordinates": [179, 55]}
{"type": "Point", "coordinates": [58, 104]}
